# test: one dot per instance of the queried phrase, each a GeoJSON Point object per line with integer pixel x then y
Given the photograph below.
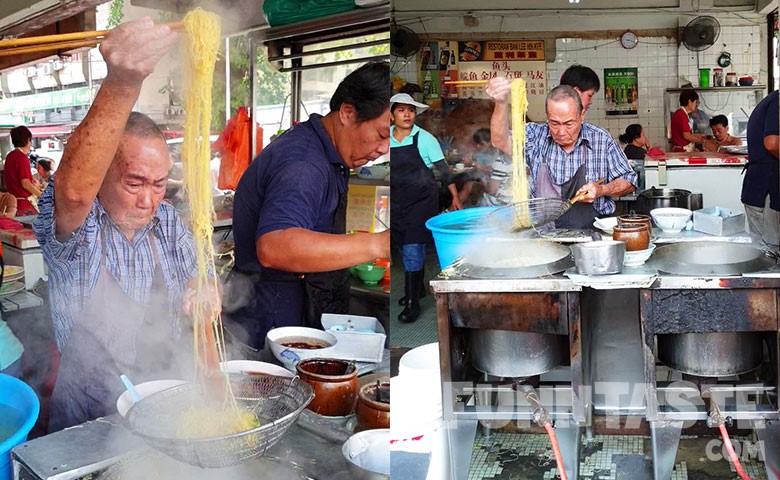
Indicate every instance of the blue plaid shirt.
{"type": "Point", "coordinates": [595, 148]}
{"type": "Point", "coordinates": [74, 265]}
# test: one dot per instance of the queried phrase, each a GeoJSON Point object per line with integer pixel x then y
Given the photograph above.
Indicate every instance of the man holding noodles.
{"type": "Point", "coordinates": [119, 258]}
{"type": "Point", "coordinates": [566, 156]}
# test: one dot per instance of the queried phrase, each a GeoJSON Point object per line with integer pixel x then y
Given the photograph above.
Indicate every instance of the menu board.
{"type": "Point", "coordinates": [448, 60]}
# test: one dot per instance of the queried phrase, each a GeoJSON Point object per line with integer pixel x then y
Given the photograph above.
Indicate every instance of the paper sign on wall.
{"type": "Point", "coordinates": [621, 91]}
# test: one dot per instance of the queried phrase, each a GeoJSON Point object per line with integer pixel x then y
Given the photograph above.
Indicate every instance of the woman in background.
{"type": "Point", "coordinates": [683, 138]}
{"type": "Point", "coordinates": [635, 141]}
{"type": "Point", "coordinates": [414, 152]}
{"type": "Point", "coordinates": [44, 167]}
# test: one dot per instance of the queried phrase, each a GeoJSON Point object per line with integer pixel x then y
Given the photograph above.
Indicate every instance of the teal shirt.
{"type": "Point", "coordinates": [429, 147]}
{"type": "Point", "coordinates": [10, 347]}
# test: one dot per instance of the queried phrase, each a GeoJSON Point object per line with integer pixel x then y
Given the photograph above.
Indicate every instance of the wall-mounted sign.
{"type": "Point", "coordinates": [533, 72]}
{"type": "Point", "coordinates": [484, 60]}
{"type": "Point", "coordinates": [43, 101]}
{"type": "Point", "coordinates": [621, 91]}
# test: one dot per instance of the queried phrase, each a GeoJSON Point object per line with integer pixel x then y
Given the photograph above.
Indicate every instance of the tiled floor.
{"type": "Point", "coordinates": [505, 456]}
{"type": "Point", "coordinates": [423, 331]}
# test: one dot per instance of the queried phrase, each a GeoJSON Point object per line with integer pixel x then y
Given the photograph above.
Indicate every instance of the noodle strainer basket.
{"type": "Point", "coordinates": [276, 401]}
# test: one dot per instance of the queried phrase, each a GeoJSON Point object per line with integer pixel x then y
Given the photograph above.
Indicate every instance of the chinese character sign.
{"type": "Point", "coordinates": [621, 91]}
{"type": "Point", "coordinates": [533, 72]}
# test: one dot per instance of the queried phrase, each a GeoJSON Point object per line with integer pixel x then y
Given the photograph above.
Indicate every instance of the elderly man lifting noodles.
{"type": "Point", "coordinates": [119, 258]}
{"type": "Point", "coordinates": [566, 156]}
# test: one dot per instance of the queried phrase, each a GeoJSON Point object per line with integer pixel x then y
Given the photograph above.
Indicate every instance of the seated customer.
{"type": "Point", "coordinates": [7, 205]}
{"type": "Point", "coordinates": [498, 190]}
{"type": "Point", "coordinates": [720, 134]}
{"type": "Point", "coordinates": [635, 141]}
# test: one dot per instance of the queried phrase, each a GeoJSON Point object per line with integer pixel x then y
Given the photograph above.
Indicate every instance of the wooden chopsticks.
{"type": "Point", "coordinates": [63, 41]}
{"type": "Point", "coordinates": [48, 47]}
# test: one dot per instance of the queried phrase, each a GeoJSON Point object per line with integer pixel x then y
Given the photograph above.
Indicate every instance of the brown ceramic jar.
{"type": "Point", "coordinates": [335, 385]}
{"type": "Point", "coordinates": [636, 219]}
{"type": "Point", "coordinates": [636, 237]}
{"type": "Point", "coordinates": [373, 406]}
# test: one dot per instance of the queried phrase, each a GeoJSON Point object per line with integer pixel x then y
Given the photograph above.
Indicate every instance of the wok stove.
{"type": "Point", "coordinates": [722, 334]}
{"type": "Point", "coordinates": [498, 337]}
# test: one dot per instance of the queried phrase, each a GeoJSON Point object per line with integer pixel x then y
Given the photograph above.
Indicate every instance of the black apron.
{"type": "Point", "coordinates": [328, 292]}
{"type": "Point", "coordinates": [415, 195]}
{"type": "Point", "coordinates": [580, 215]}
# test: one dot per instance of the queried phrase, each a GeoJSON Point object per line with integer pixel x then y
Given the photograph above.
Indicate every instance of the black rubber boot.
{"type": "Point", "coordinates": [422, 289]}
{"type": "Point", "coordinates": [412, 287]}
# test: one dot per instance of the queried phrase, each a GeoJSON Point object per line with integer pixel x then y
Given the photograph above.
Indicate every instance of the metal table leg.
{"type": "Point", "coordinates": [665, 438]}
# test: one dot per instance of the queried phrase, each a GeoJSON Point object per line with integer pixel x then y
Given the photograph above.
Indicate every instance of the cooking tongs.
{"type": "Point", "coordinates": [62, 41]}
{"type": "Point", "coordinates": [533, 213]}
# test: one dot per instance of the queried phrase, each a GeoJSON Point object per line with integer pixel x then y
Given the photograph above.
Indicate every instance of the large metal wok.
{"type": "Point", "coordinates": [709, 258]}
{"type": "Point", "coordinates": [514, 258]}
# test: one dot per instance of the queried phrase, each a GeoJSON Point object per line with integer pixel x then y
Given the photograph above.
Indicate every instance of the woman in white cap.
{"type": "Point", "coordinates": [413, 154]}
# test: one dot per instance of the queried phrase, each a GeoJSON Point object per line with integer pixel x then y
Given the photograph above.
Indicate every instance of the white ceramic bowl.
{"type": "Point", "coordinates": [255, 368]}
{"type": "Point", "coordinates": [369, 451]}
{"type": "Point", "coordinates": [670, 219]}
{"type": "Point", "coordinates": [638, 257]}
{"type": "Point", "coordinates": [290, 356]}
{"type": "Point", "coordinates": [606, 224]}
{"type": "Point", "coordinates": [374, 172]}
{"type": "Point", "coordinates": [124, 402]}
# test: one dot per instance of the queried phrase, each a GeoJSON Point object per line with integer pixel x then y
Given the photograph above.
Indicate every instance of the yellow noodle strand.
{"type": "Point", "coordinates": [520, 191]}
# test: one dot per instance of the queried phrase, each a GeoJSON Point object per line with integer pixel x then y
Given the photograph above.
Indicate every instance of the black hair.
{"type": "Point", "coordinates": [45, 164]}
{"type": "Point", "coordinates": [140, 125]}
{"type": "Point", "coordinates": [687, 95]}
{"type": "Point", "coordinates": [562, 92]}
{"type": "Point", "coordinates": [581, 77]}
{"type": "Point", "coordinates": [367, 89]}
{"type": "Point", "coordinates": [719, 120]}
{"type": "Point", "coordinates": [482, 137]}
{"type": "Point", "coordinates": [633, 131]}
{"type": "Point", "coordinates": [392, 107]}
{"type": "Point", "coordinates": [20, 136]}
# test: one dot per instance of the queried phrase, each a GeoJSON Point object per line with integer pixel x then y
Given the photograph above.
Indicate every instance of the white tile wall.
{"type": "Point", "coordinates": [660, 62]}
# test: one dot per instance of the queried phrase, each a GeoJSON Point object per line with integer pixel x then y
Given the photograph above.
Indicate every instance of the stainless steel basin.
{"type": "Point", "coordinates": [711, 354]}
{"type": "Point", "coordinates": [507, 354]}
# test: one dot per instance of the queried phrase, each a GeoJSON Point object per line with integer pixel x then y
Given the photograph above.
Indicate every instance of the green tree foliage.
{"type": "Point", "coordinates": [116, 13]}
{"type": "Point", "coordinates": [272, 86]}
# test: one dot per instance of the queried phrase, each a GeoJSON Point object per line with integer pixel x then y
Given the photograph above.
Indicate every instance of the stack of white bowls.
{"type": "Point", "coordinates": [416, 424]}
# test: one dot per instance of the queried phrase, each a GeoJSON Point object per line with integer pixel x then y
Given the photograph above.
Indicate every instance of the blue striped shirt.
{"type": "Point", "coordinates": [595, 148]}
{"type": "Point", "coordinates": [74, 266]}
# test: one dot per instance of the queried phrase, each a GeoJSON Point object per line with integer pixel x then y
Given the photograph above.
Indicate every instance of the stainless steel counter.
{"type": "Point", "coordinates": [311, 449]}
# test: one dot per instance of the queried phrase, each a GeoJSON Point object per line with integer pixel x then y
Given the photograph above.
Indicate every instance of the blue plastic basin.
{"type": "Point", "coordinates": [454, 232]}
{"type": "Point", "coordinates": [18, 395]}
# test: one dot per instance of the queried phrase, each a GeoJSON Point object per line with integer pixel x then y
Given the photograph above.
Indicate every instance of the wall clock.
{"type": "Point", "coordinates": [629, 40]}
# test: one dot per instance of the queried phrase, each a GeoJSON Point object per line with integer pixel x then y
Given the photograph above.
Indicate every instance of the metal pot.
{"type": "Point", "coordinates": [510, 354]}
{"type": "Point", "coordinates": [600, 257]}
{"type": "Point", "coordinates": [660, 198]}
{"type": "Point", "coordinates": [711, 354]}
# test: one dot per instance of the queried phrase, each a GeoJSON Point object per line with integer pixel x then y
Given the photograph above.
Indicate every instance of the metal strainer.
{"type": "Point", "coordinates": [277, 402]}
{"type": "Point", "coordinates": [534, 213]}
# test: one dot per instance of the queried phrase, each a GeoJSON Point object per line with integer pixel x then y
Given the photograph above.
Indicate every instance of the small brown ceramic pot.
{"type": "Point", "coordinates": [373, 406]}
{"type": "Point", "coordinates": [334, 382]}
{"type": "Point", "coordinates": [636, 237]}
{"type": "Point", "coordinates": [635, 219]}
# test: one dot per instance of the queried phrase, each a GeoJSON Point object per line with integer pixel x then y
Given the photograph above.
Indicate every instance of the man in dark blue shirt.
{"type": "Point", "coordinates": [761, 187]}
{"type": "Point", "coordinates": [289, 214]}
